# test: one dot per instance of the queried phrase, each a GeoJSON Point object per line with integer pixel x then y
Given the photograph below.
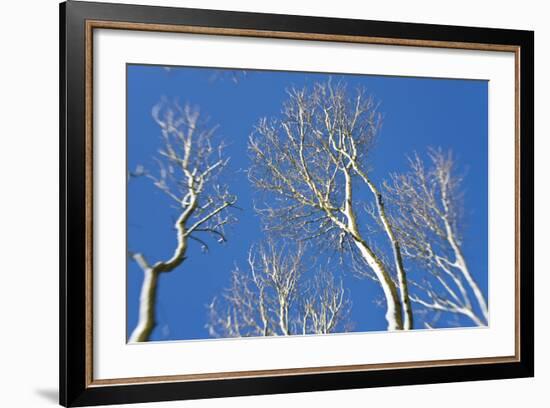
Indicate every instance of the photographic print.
{"type": "Point", "coordinates": [279, 203]}
{"type": "Point", "coordinates": [258, 204]}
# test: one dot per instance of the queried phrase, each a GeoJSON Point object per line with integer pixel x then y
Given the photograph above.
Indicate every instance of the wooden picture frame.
{"type": "Point", "coordinates": [78, 20]}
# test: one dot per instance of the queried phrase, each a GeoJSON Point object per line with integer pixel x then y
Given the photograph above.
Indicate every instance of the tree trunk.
{"type": "Point", "coordinates": [398, 258]}
{"type": "Point", "coordinates": [147, 307]}
{"type": "Point", "coordinates": [394, 313]}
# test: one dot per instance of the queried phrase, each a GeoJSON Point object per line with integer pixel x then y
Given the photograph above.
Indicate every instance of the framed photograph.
{"type": "Point", "coordinates": [256, 203]}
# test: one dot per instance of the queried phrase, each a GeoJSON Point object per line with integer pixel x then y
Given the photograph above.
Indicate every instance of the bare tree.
{"type": "Point", "coordinates": [325, 305]}
{"type": "Point", "coordinates": [189, 164]}
{"type": "Point", "coordinates": [313, 159]}
{"type": "Point", "coordinates": [428, 206]}
{"type": "Point", "coordinates": [269, 298]}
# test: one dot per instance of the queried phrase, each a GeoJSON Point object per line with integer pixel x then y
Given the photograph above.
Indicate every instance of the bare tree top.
{"type": "Point", "coordinates": [190, 162]}
{"type": "Point", "coordinates": [427, 204]}
{"type": "Point", "coordinates": [272, 298]}
{"type": "Point", "coordinates": [300, 157]}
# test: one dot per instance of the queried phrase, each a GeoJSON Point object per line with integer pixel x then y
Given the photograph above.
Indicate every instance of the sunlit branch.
{"type": "Point", "coordinates": [427, 206]}
{"type": "Point", "coordinates": [189, 163]}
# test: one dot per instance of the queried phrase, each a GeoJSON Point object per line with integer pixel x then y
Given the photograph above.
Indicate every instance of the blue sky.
{"type": "Point", "coordinates": [418, 112]}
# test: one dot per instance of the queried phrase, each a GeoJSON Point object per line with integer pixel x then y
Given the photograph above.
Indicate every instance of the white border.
{"type": "Point", "coordinates": [113, 358]}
